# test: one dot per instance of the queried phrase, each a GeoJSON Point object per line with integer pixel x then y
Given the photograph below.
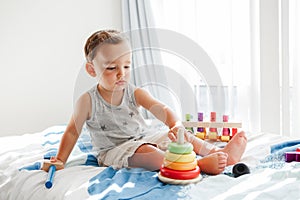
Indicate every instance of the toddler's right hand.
{"type": "Point", "coordinates": [172, 134]}
{"type": "Point", "coordinates": [54, 161]}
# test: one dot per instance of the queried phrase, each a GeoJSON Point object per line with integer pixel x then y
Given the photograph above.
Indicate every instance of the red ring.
{"type": "Point", "coordinates": [180, 175]}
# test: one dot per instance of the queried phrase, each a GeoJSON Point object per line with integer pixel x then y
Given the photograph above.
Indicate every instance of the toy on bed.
{"type": "Point", "coordinates": [51, 168]}
{"type": "Point", "coordinates": [293, 156]}
{"type": "Point", "coordinates": [229, 129]}
{"type": "Point", "coordinates": [180, 163]}
{"type": "Point", "coordinates": [240, 169]}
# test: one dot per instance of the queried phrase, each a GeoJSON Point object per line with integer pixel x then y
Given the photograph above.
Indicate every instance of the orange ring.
{"type": "Point", "coordinates": [180, 166]}
{"type": "Point", "coordinates": [182, 158]}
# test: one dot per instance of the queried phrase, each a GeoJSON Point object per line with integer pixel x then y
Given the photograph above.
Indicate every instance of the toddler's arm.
{"type": "Point", "coordinates": [159, 110]}
{"type": "Point", "coordinates": [81, 114]}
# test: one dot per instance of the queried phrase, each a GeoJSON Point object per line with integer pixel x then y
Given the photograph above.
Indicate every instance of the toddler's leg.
{"type": "Point", "coordinates": [201, 147]}
{"type": "Point", "coordinates": [214, 163]}
{"type": "Point", "coordinates": [147, 156]}
{"type": "Point", "coordinates": [235, 147]}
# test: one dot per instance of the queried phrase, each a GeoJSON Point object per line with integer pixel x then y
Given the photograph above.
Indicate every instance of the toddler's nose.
{"type": "Point", "coordinates": [121, 72]}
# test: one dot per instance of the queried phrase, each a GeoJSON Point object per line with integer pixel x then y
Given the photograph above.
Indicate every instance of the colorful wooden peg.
{"type": "Point", "coordinates": [51, 168]}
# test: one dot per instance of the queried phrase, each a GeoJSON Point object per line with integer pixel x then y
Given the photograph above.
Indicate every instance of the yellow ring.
{"type": "Point", "coordinates": [181, 158]}
{"type": "Point", "coordinates": [180, 166]}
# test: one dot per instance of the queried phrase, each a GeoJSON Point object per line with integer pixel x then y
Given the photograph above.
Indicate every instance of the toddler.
{"type": "Point", "coordinates": [111, 113]}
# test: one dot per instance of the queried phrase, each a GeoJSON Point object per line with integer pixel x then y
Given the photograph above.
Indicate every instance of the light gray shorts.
{"type": "Point", "coordinates": [118, 156]}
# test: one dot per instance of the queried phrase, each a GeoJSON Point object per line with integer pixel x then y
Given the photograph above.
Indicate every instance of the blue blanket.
{"type": "Point", "coordinates": [276, 159]}
{"type": "Point", "coordinates": [285, 146]}
{"type": "Point", "coordinates": [131, 184]}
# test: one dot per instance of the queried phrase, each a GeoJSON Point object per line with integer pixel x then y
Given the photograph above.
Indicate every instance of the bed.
{"type": "Point", "coordinates": [20, 178]}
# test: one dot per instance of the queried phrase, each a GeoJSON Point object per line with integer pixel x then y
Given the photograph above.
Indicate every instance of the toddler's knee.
{"type": "Point", "coordinates": [146, 148]}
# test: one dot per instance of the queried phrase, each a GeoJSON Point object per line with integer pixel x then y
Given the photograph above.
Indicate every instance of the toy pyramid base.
{"type": "Point", "coordinates": [177, 181]}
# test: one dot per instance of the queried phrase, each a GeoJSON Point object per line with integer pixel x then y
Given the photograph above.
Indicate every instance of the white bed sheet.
{"type": "Point", "coordinates": [270, 177]}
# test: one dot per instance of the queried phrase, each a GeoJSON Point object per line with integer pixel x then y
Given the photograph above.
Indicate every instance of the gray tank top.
{"type": "Point", "coordinates": [109, 125]}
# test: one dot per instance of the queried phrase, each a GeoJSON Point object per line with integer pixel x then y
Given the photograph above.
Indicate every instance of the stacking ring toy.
{"type": "Point", "coordinates": [183, 158]}
{"type": "Point", "coordinates": [184, 148]}
{"type": "Point", "coordinates": [181, 175]}
{"type": "Point", "coordinates": [180, 163]}
{"type": "Point", "coordinates": [180, 166]}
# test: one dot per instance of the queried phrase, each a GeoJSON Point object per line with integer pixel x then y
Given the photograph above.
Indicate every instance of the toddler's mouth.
{"type": "Point", "coordinates": [121, 82]}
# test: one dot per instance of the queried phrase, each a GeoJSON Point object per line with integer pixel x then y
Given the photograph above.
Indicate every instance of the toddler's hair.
{"type": "Point", "coordinates": [98, 38]}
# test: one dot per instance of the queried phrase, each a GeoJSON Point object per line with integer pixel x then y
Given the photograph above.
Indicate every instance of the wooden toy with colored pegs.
{"type": "Point", "coordinates": [180, 163]}
{"type": "Point", "coordinates": [229, 129]}
{"type": "Point", "coordinates": [293, 156]}
{"type": "Point", "coordinates": [51, 168]}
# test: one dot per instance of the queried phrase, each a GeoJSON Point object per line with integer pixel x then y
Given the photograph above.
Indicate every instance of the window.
{"type": "Point", "coordinates": [255, 46]}
{"type": "Point", "coordinates": [222, 29]}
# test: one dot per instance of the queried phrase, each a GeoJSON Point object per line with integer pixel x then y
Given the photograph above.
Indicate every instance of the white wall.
{"type": "Point", "coordinates": [41, 54]}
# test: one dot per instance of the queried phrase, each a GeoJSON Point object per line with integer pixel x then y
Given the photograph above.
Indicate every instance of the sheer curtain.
{"type": "Point", "coordinates": [291, 9]}
{"type": "Point", "coordinates": [255, 47]}
{"type": "Point", "coordinates": [222, 29]}
{"type": "Point", "coordinates": [148, 71]}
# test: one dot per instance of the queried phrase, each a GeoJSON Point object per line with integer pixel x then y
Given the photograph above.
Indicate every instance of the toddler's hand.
{"type": "Point", "coordinates": [53, 159]}
{"type": "Point", "coordinates": [58, 163]}
{"type": "Point", "coordinates": [171, 136]}
{"type": "Point", "coordinates": [173, 132]}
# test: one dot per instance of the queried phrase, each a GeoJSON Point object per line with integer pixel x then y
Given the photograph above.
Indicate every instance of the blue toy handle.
{"type": "Point", "coordinates": [51, 172]}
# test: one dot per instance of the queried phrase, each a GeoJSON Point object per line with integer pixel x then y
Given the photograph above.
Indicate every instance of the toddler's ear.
{"type": "Point", "coordinates": [90, 69]}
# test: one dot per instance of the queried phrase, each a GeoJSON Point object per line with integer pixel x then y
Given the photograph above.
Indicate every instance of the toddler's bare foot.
{"type": "Point", "coordinates": [214, 163]}
{"type": "Point", "coordinates": [235, 148]}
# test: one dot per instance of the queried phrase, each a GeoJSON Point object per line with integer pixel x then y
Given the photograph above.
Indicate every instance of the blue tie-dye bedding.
{"type": "Point", "coordinates": [20, 157]}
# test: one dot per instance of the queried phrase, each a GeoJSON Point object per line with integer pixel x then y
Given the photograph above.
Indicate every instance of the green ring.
{"type": "Point", "coordinates": [185, 148]}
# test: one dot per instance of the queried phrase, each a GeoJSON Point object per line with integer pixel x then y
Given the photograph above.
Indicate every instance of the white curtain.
{"type": "Point", "coordinates": [292, 8]}
{"type": "Point", "coordinates": [219, 27]}
{"type": "Point", "coordinates": [148, 71]}
{"type": "Point", "coordinates": [170, 82]}
{"type": "Point", "coordinates": [255, 46]}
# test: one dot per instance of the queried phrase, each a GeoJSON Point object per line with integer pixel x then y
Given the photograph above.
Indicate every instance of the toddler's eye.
{"type": "Point", "coordinates": [111, 68]}
{"type": "Point", "coordinates": [126, 67]}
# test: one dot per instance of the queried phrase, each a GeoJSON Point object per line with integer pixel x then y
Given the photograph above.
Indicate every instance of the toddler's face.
{"type": "Point", "coordinates": [112, 65]}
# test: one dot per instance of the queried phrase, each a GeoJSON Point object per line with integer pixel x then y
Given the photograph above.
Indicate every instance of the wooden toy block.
{"type": "Point", "coordinates": [213, 136]}
{"type": "Point", "coordinates": [201, 135]}
{"type": "Point", "coordinates": [292, 156]}
{"type": "Point", "coordinates": [225, 138]}
{"type": "Point", "coordinates": [234, 131]}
